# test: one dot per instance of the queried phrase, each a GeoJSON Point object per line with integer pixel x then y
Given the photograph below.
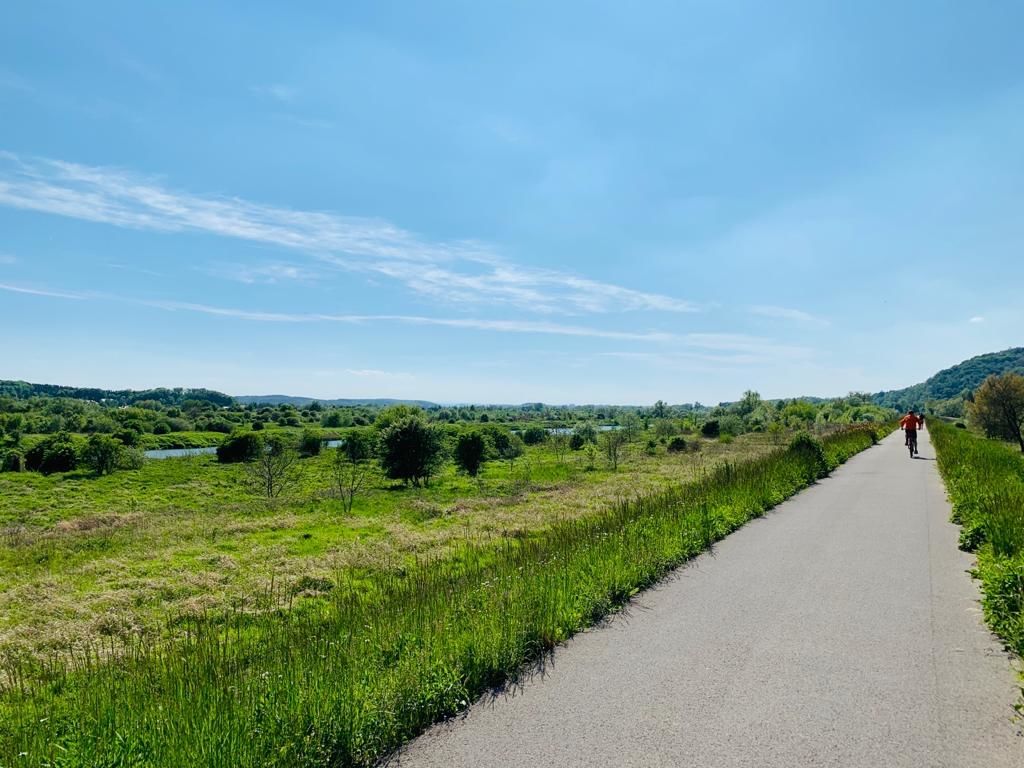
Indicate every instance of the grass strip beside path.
{"type": "Point", "coordinates": [346, 680]}
{"type": "Point", "coordinates": [985, 482]}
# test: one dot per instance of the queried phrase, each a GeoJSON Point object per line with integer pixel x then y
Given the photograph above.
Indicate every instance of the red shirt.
{"type": "Point", "coordinates": [910, 422]}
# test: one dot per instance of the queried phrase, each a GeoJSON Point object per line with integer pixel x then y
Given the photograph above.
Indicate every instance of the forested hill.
{"type": "Point", "coordinates": [952, 382]}
{"type": "Point", "coordinates": [302, 402]}
{"type": "Point", "coordinates": [22, 390]}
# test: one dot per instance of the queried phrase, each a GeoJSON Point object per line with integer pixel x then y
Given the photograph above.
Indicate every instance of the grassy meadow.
{"type": "Point", "coordinates": [304, 637]}
{"type": "Point", "coordinates": [83, 558]}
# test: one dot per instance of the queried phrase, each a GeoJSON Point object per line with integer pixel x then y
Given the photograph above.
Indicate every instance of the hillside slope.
{"type": "Point", "coordinates": [954, 381]}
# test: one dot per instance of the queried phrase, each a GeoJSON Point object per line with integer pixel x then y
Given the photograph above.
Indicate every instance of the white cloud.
{"type": "Point", "coordinates": [787, 313]}
{"type": "Point", "coordinates": [6, 258]}
{"type": "Point", "coordinates": [262, 273]}
{"type": "Point", "coordinates": [501, 326]}
{"type": "Point", "coordinates": [457, 271]}
{"type": "Point", "coordinates": [977, 319]}
{"type": "Point", "coordinates": [44, 292]}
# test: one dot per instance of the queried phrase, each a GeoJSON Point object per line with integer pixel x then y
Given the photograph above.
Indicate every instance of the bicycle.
{"type": "Point", "coordinates": [911, 442]}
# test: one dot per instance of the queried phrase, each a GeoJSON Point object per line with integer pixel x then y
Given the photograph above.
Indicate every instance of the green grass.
{"type": "Point", "coordinates": [81, 554]}
{"type": "Point", "coordinates": [985, 481]}
{"type": "Point", "coordinates": [343, 679]}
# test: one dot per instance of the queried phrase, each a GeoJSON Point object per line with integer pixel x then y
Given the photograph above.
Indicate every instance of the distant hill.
{"type": "Point", "coordinates": [22, 390]}
{"type": "Point", "coordinates": [302, 402]}
{"type": "Point", "coordinates": [952, 382]}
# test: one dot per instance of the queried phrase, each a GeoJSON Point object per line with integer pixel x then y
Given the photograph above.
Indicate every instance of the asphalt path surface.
{"type": "Point", "coordinates": [840, 630]}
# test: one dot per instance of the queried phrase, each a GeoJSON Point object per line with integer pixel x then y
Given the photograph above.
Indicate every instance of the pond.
{"type": "Point", "coordinates": [176, 453]}
{"type": "Point", "coordinates": [570, 430]}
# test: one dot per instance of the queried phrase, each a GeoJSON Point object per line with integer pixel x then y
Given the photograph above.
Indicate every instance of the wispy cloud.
{"type": "Point", "coordinates": [460, 271]}
{"type": "Point", "coordinates": [44, 292]}
{"type": "Point", "coordinates": [7, 258]}
{"type": "Point", "coordinates": [787, 313]}
{"type": "Point", "coordinates": [977, 319]}
{"type": "Point", "coordinates": [501, 326]}
{"type": "Point", "coordinates": [261, 273]}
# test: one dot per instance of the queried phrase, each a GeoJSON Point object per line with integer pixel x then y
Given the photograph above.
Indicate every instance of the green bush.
{"type": "Point", "coordinates": [411, 450]}
{"type": "Point", "coordinates": [710, 428]}
{"type": "Point", "coordinates": [677, 444]}
{"type": "Point", "coordinates": [806, 444]}
{"type": "Point", "coordinates": [240, 445]}
{"type": "Point", "coordinates": [12, 461]}
{"type": "Point", "coordinates": [534, 435]}
{"type": "Point", "coordinates": [57, 453]}
{"type": "Point", "coordinates": [102, 454]}
{"type": "Point", "coordinates": [310, 444]}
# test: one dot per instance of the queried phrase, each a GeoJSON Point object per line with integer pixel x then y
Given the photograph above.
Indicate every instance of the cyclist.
{"type": "Point", "coordinates": [909, 425]}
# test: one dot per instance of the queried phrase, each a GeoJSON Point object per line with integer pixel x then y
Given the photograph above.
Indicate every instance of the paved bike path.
{"type": "Point", "coordinates": [840, 630]}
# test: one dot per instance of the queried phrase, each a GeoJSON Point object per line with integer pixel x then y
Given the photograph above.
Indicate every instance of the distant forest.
{"type": "Point", "coordinates": [946, 392]}
{"type": "Point", "coordinates": [23, 390]}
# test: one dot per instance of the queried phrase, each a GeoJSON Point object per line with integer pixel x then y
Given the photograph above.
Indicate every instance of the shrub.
{"type": "Point", "coordinates": [534, 435]}
{"type": "Point", "coordinates": [310, 444]}
{"type": "Point", "coordinates": [130, 458]}
{"type": "Point", "coordinates": [101, 454]}
{"type": "Point", "coordinates": [731, 425]}
{"type": "Point", "coordinates": [805, 443]}
{"type": "Point", "coordinates": [239, 446]}
{"type": "Point", "coordinates": [162, 428]}
{"type": "Point", "coordinates": [216, 425]}
{"type": "Point", "coordinates": [677, 444]}
{"type": "Point", "coordinates": [12, 461]}
{"type": "Point", "coordinates": [470, 452]}
{"type": "Point", "coordinates": [651, 448]}
{"type": "Point", "coordinates": [411, 450]}
{"type": "Point", "coordinates": [710, 428]}
{"type": "Point", "coordinates": [257, 426]}
{"type": "Point", "coordinates": [128, 436]}
{"type": "Point", "coordinates": [56, 453]}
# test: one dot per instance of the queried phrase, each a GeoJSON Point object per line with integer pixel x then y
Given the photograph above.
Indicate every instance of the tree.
{"type": "Point", "coordinates": [660, 410]}
{"type": "Point", "coordinates": [583, 433]}
{"type": "Point", "coordinates": [411, 450]}
{"type": "Point", "coordinates": [560, 444]}
{"type": "Point", "coordinates": [630, 424]}
{"type": "Point", "coordinates": [998, 407]}
{"type": "Point", "coordinates": [275, 469]}
{"type": "Point", "coordinates": [510, 448]}
{"type": "Point", "coordinates": [350, 467]}
{"type": "Point", "coordinates": [393, 414]}
{"type": "Point", "coordinates": [613, 440]}
{"type": "Point", "coordinates": [102, 454]}
{"type": "Point", "coordinates": [748, 403]}
{"type": "Point", "coordinates": [470, 452]}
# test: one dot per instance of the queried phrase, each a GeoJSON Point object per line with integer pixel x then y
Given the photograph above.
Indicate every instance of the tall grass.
{"type": "Point", "coordinates": [344, 680]}
{"type": "Point", "coordinates": [985, 481]}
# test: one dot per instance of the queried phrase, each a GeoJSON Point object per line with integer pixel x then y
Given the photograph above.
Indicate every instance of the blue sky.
{"type": "Point", "coordinates": [509, 201]}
